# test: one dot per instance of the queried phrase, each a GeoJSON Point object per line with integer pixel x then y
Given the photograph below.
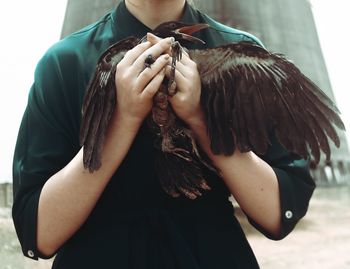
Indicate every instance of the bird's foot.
{"type": "Point", "coordinates": [168, 147]}
{"type": "Point", "coordinates": [181, 153]}
{"type": "Point", "coordinates": [176, 50]}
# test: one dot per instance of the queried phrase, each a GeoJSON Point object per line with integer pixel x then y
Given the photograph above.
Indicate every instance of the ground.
{"type": "Point", "coordinates": [321, 240]}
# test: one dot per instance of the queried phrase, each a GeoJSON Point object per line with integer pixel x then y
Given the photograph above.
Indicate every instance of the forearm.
{"type": "Point", "coordinates": [69, 196]}
{"type": "Point", "coordinates": [251, 180]}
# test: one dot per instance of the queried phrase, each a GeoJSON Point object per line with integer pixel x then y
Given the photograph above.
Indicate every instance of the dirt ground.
{"type": "Point", "coordinates": [321, 240]}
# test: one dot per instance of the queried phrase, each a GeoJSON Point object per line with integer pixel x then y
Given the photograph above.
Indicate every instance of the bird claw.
{"type": "Point", "coordinates": [176, 50]}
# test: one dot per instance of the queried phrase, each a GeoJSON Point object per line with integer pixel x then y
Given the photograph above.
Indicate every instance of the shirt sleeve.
{"type": "Point", "coordinates": [46, 142]}
{"type": "Point", "coordinates": [295, 182]}
{"type": "Point", "coordinates": [295, 187]}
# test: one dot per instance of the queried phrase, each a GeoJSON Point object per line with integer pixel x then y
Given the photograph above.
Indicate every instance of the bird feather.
{"type": "Point", "coordinates": [248, 93]}
{"type": "Point", "coordinates": [270, 92]}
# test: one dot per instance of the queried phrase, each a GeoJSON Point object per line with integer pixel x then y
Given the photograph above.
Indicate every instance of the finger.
{"type": "Point", "coordinates": [153, 86]}
{"type": "Point", "coordinates": [155, 51]}
{"type": "Point", "coordinates": [153, 39]}
{"type": "Point", "coordinates": [148, 73]}
{"type": "Point", "coordinates": [135, 52]}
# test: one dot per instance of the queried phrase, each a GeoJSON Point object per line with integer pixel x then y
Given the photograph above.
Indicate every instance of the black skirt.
{"type": "Point", "coordinates": [201, 236]}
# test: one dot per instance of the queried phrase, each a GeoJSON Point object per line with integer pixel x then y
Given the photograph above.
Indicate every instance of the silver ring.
{"type": "Point", "coordinates": [149, 60]}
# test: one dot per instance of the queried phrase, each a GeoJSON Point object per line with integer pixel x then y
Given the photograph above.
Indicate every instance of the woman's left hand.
{"type": "Point", "coordinates": [186, 101]}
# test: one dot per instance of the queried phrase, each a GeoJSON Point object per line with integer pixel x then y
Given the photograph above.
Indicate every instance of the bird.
{"type": "Point", "coordinates": [247, 93]}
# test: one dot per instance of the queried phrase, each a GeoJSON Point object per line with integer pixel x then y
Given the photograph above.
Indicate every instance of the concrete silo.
{"type": "Point", "coordinates": [81, 13]}
{"type": "Point", "coordinates": [287, 27]}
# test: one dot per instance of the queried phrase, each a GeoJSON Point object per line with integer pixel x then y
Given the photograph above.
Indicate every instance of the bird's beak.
{"type": "Point", "coordinates": [187, 31]}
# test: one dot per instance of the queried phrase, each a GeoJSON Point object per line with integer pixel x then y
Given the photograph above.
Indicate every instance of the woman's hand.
{"type": "Point", "coordinates": [136, 85]}
{"type": "Point", "coordinates": [186, 102]}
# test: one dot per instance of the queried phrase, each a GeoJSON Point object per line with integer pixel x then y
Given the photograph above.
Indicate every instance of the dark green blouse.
{"type": "Point", "coordinates": [134, 224]}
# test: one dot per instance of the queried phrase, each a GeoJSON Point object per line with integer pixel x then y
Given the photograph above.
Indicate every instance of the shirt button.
{"type": "Point", "coordinates": [30, 253]}
{"type": "Point", "coordinates": [289, 214]}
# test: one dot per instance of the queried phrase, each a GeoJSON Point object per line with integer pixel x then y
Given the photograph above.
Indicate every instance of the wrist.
{"type": "Point", "coordinates": [127, 121]}
{"type": "Point", "coordinates": [196, 121]}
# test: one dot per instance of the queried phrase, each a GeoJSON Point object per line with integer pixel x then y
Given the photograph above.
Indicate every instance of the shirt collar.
{"type": "Point", "coordinates": [125, 24]}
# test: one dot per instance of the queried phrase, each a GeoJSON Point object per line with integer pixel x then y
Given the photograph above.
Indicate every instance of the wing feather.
{"type": "Point", "coordinates": [259, 110]}
{"type": "Point", "coordinates": [99, 103]}
{"type": "Point", "coordinates": [248, 91]}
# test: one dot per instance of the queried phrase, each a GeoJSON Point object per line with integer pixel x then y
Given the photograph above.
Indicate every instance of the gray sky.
{"type": "Point", "coordinates": [29, 28]}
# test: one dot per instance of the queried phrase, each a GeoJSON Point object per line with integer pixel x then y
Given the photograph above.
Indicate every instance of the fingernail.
{"type": "Point", "coordinates": [166, 57]}
{"type": "Point", "coordinates": [172, 39]}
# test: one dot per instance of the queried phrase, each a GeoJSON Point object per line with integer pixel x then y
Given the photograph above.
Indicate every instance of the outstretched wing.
{"type": "Point", "coordinates": [99, 103]}
{"type": "Point", "coordinates": [248, 91]}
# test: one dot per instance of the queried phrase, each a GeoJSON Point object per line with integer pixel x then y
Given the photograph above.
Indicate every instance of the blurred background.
{"type": "Point", "coordinates": [312, 33]}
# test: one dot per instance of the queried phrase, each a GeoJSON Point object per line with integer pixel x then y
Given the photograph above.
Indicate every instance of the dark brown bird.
{"type": "Point", "coordinates": [247, 93]}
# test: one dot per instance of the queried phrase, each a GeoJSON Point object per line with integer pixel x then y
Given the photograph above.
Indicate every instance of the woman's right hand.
{"type": "Point", "coordinates": [135, 84]}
